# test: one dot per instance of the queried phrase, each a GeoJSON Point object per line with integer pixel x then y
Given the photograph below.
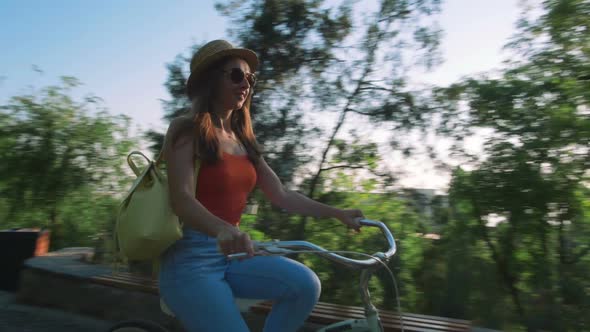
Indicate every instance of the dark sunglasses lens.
{"type": "Point", "coordinates": [236, 76]}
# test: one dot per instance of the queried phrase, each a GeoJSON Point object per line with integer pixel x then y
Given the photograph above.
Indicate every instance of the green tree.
{"type": "Point", "coordinates": [339, 283]}
{"type": "Point", "coordinates": [55, 150]}
{"type": "Point", "coordinates": [533, 172]}
{"type": "Point", "coordinates": [340, 64]}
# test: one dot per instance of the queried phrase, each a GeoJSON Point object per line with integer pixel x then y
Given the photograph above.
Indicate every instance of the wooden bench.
{"type": "Point", "coordinates": [328, 313]}
{"type": "Point", "coordinates": [323, 313]}
{"type": "Point", "coordinates": [128, 280]}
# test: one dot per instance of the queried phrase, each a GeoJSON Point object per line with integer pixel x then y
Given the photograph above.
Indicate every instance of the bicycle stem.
{"type": "Point", "coordinates": [370, 310]}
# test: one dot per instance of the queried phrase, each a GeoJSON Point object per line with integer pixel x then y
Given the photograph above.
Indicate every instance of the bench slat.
{"type": "Point", "coordinates": [390, 313]}
{"type": "Point", "coordinates": [147, 283]}
{"type": "Point", "coordinates": [387, 326]}
{"type": "Point", "coordinates": [266, 305]}
{"type": "Point", "coordinates": [394, 319]}
{"type": "Point", "coordinates": [127, 284]}
{"type": "Point", "coordinates": [125, 276]}
{"type": "Point", "coordinates": [324, 313]}
{"type": "Point", "coordinates": [130, 276]}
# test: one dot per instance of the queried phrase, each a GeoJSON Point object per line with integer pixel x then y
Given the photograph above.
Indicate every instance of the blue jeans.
{"type": "Point", "coordinates": [199, 285]}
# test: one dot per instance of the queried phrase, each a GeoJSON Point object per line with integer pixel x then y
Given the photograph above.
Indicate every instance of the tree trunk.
{"type": "Point", "coordinates": [501, 264]}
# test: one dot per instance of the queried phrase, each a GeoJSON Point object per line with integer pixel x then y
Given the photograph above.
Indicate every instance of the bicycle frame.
{"type": "Point", "coordinates": [371, 322]}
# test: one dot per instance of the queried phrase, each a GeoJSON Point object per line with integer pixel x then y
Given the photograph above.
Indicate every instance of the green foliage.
{"type": "Point", "coordinates": [320, 57]}
{"type": "Point", "coordinates": [61, 161]}
{"type": "Point", "coordinates": [340, 283]}
{"type": "Point", "coordinates": [533, 173]}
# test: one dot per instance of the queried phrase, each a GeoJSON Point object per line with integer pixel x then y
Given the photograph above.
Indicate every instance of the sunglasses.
{"type": "Point", "coordinates": [236, 75]}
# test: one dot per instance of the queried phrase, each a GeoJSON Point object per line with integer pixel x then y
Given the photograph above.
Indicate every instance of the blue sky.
{"type": "Point", "coordinates": [119, 49]}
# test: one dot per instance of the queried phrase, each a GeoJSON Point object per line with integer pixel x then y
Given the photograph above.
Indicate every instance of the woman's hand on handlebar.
{"type": "Point", "coordinates": [351, 218]}
{"type": "Point", "coordinates": [232, 241]}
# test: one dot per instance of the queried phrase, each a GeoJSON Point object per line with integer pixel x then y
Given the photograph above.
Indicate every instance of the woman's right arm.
{"type": "Point", "coordinates": [180, 170]}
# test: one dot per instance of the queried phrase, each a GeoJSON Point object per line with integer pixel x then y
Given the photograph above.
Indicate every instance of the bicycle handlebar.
{"type": "Point", "coordinates": [286, 247]}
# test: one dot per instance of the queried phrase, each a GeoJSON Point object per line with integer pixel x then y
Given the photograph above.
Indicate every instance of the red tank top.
{"type": "Point", "coordinates": [223, 187]}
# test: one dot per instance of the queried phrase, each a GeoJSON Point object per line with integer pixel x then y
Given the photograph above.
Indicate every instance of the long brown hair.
{"type": "Point", "coordinates": [200, 118]}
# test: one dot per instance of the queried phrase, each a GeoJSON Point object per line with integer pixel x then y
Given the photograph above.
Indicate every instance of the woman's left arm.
{"type": "Point", "coordinates": [294, 202]}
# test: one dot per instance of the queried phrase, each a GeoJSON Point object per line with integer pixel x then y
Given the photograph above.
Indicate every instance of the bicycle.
{"type": "Point", "coordinates": [371, 322]}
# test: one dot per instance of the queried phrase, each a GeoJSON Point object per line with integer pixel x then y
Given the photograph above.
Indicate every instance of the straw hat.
{"type": "Point", "coordinates": [213, 51]}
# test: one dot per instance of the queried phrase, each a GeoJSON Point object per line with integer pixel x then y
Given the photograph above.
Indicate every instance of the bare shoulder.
{"type": "Point", "coordinates": [178, 123]}
{"type": "Point", "coordinates": [179, 134]}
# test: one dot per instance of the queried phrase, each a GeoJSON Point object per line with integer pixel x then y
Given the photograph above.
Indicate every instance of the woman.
{"type": "Point", "coordinates": [197, 282]}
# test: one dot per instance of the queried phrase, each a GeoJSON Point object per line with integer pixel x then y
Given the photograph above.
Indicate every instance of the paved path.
{"type": "Point", "coordinates": [25, 318]}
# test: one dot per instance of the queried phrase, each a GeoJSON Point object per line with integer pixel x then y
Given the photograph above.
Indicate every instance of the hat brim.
{"type": "Point", "coordinates": [247, 55]}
